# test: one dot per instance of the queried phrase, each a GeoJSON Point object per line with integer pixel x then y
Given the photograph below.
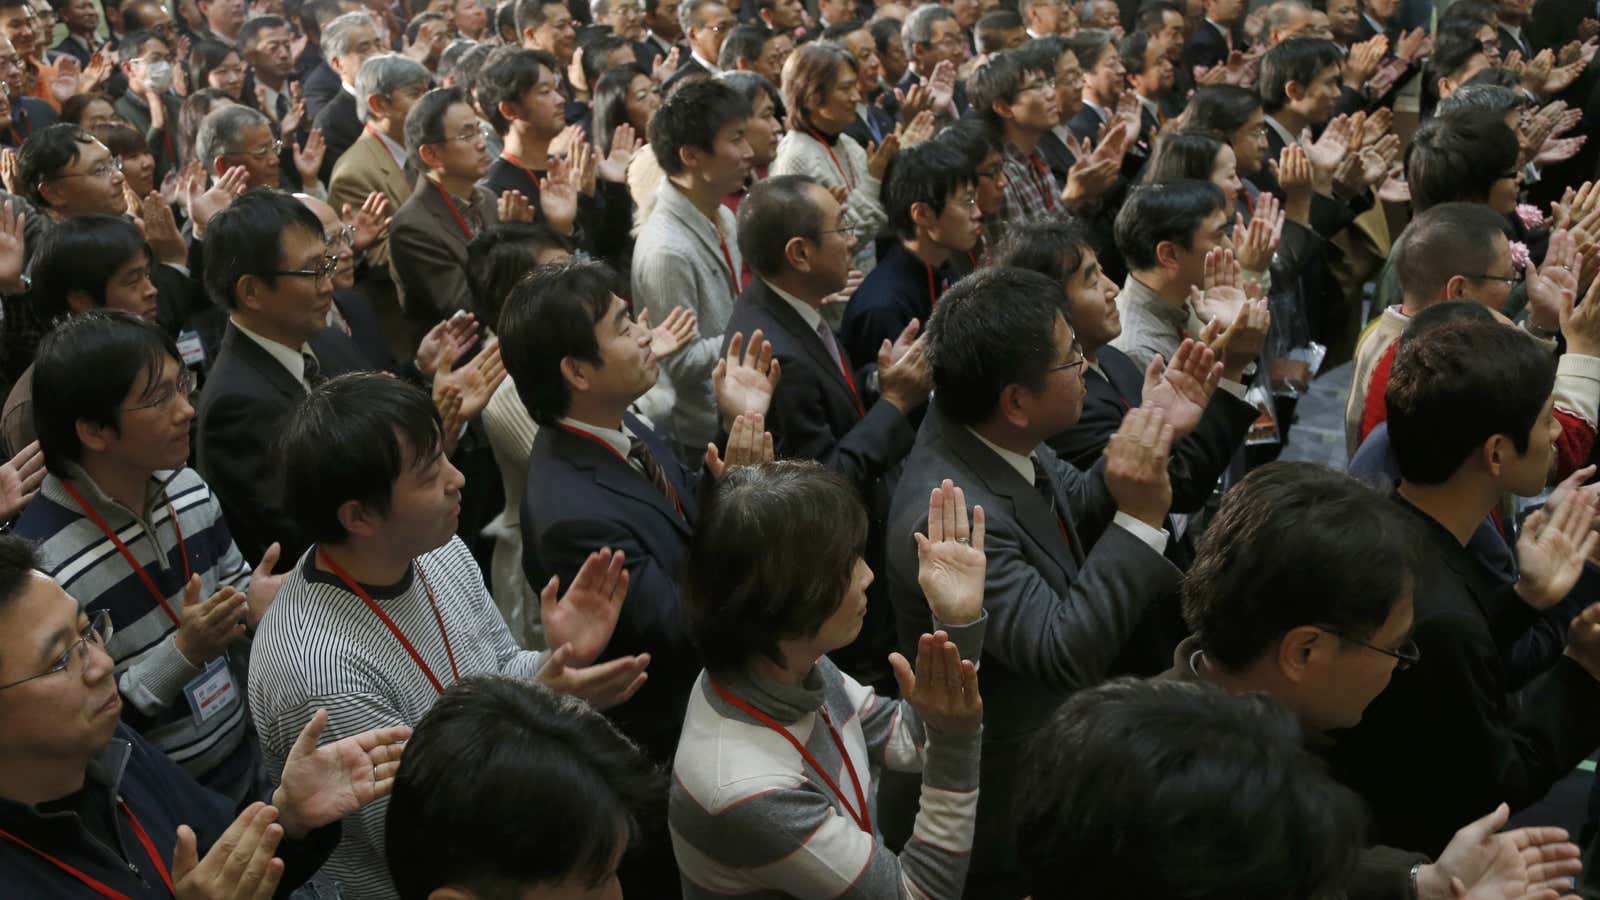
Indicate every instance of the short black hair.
{"type": "Point", "coordinates": [691, 116]}
{"type": "Point", "coordinates": [930, 172]}
{"type": "Point", "coordinates": [1459, 157]}
{"type": "Point", "coordinates": [464, 67]}
{"type": "Point", "coordinates": [73, 108]}
{"type": "Point", "coordinates": [744, 42]}
{"type": "Point", "coordinates": [1001, 78]}
{"type": "Point", "coordinates": [974, 140]}
{"type": "Point", "coordinates": [132, 45]}
{"type": "Point", "coordinates": [500, 256]}
{"type": "Point", "coordinates": [1444, 241]}
{"type": "Point", "coordinates": [839, 30]}
{"type": "Point", "coordinates": [253, 26]}
{"type": "Point", "coordinates": [505, 785]}
{"type": "Point", "coordinates": [990, 26]}
{"type": "Point", "coordinates": [1055, 247]}
{"type": "Point", "coordinates": [246, 238]}
{"type": "Point", "coordinates": [1452, 52]}
{"type": "Point", "coordinates": [885, 31]}
{"type": "Point", "coordinates": [597, 54]}
{"type": "Point", "coordinates": [1220, 108]}
{"type": "Point", "coordinates": [81, 254]}
{"type": "Point", "coordinates": [1132, 50]}
{"type": "Point", "coordinates": [83, 371]}
{"type": "Point", "coordinates": [1138, 789]}
{"type": "Point", "coordinates": [1172, 211]}
{"type": "Point", "coordinates": [991, 329]}
{"type": "Point", "coordinates": [45, 153]}
{"type": "Point", "coordinates": [1090, 46]}
{"type": "Point", "coordinates": [1298, 59]}
{"type": "Point", "coordinates": [549, 316]}
{"type": "Point", "coordinates": [1296, 544]}
{"type": "Point", "coordinates": [19, 559]}
{"type": "Point", "coordinates": [507, 74]}
{"type": "Point", "coordinates": [349, 440]}
{"type": "Point", "coordinates": [772, 556]}
{"type": "Point", "coordinates": [425, 120]}
{"type": "Point", "coordinates": [124, 141]}
{"type": "Point", "coordinates": [777, 209]}
{"type": "Point", "coordinates": [1152, 12]}
{"type": "Point", "coordinates": [1457, 385]}
{"type": "Point", "coordinates": [530, 13]}
{"type": "Point", "coordinates": [1183, 155]}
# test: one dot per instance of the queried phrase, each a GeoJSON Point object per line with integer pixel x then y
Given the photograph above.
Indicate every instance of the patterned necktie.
{"type": "Point", "coordinates": [639, 454]}
{"type": "Point", "coordinates": [313, 371]}
{"type": "Point", "coordinates": [828, 340]}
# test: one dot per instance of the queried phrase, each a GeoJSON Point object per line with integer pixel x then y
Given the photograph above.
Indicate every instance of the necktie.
{"type": "Point", "coordinates": [639, 454]}
{"type": "Point", "coordinates": [1041, 483]}
{"type": "Point", "coordinates": [313, 371]}
{"type": "Point", "coordinates": [826, 333]}
{"type": "Point", "coordinates": [283, 103]}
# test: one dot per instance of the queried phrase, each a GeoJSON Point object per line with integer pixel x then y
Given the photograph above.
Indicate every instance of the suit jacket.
{"type": "Point", "coordinates": [1062, 600]}
{"type": "Point", "coordinates": [862, 130]}
{"type": "Point", "coordinates": [247, 397]}
{"type": "Point", "coordinates": [340, 128]}
{"type": "Point", "coordinates": [428, 252]}
{"type": "Point", "coordinates": [958, 97]}
{"type": "Point", "coordinates": [364, 168]}
{"type": "Point", "coordinates": [1448, 737]}
{"type": "Point", "coordinates": [1207, 47]}
{"type": "Point", "coordinates": [1102, 220]}
{"type": "Point", "coordinates": [690, 66]}
{"type": "Point", "coordinates": [581, 496]}
{"type": "Point", "coordinates": [320, 87]}
{"type": "Point", "coordinates": [162, 144]}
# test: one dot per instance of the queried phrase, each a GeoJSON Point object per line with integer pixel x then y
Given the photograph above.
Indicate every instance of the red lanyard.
{"type": "Point", "coordinates": [395, 629]}
{"type": "Point", "coordinates": [453, 211]}
{"type": "Point", "coordinates": [863, 819]}
{"type": "Point", "coordinates": [506, 155]}
{"type": "Point", "coordinates": [1042, 180]}
{"type": "Point", "coordinates": [625, 461]}
{"type": "Point", "coordinates": [849, 182]}
{"type": "Point", "coordinates": [94, 884]}
{"type": "Point", "coordinates": [183, 550]}
{"type": "Point", "coordinates": [933, 295]}
{"type": "Point", "coordinates": [727, 260]}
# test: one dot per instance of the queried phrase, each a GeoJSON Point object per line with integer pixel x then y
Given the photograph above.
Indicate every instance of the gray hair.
{"type": "Point", "coordinates": [598, 8]}
{"type": "Point", "coordinates": [918, 27]}
{"type": "Point", "coordinates": [382, 75]}
{"type": "Point", "coordinates": [690, 11]}
{"type": "Point", "coordinates": [336, 34]}
{"type": "Point", "coordinates": [1491, 97]}
{"type": "Point", "coordinates": [219, 132]}
{"type": "Point", "coordinates": [1282, 13]}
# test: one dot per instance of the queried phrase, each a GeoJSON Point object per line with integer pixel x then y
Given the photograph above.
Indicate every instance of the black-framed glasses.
{"type": "Point", "coordinates": [330, 264]}
{"type": "Point", "coordinates": [98, 631]}
{"type": "Point", "coordinates": [183, 387]}
{"type": "Point", "coordinates": [1405, 656]}
{"type": "Point", "coordinates": [1081, 360]}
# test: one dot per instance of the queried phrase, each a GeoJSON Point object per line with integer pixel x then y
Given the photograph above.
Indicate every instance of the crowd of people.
{"type": "Point", "coordinates": [617, 437]}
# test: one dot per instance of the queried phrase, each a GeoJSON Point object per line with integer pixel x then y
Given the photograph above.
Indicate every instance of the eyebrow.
{"type": "Point", "coordinates": [47, 652]}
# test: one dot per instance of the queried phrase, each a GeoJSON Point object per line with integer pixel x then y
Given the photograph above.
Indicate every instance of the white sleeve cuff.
{"type": "Point", "coordinates": [1578, 385]}
{"type": "Point", "coordinates": [1234, 388]}
{"type": "Point", "coordinates": [1155, 537]}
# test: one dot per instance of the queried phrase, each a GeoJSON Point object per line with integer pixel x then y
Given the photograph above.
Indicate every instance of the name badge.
{"type": "Point", "coordinates": [212, 692]}
{"type": "Point", "coordinates": [190, 348]}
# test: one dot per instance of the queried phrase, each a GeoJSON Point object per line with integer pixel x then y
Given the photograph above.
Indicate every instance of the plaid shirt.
{"type": "Point", "coordinates": [1031, 190]}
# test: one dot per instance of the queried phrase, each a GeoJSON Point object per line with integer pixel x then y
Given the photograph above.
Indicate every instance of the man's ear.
{"type": "Point", "coordinates": [429, 155]}
{"type": "Point", "coordinates": [1447, 86]}
{"type": "Point", "coordinates": [1012, 405]}
{"type": "Point", "coordinates": [1455, 288]}
{"type": "Point", "coordinates": [1294, 90]}
{"type": "Point", "coordinates": [1295, 650]}
{"type": "Point", "coordinates": [79, 301]}
{"type": "Point", "coordinates": [797, 253]}
{"type": "Point", "coordinates": [1497, 452]}
{"type": "Point", "coordinates": [528, 36]}
{"type": "Point", "coordinates": [94, 437]}
{"type": "Point", "coordinates": [1003, 110]}
{"type": "Point", "coordinates": [1167, 255]}
{"type": "Point", "coordinates": [575, 373]}
{"type": "Point", "coordinates": [357, 519]}
{"type": "Point", "coordinates": [922, 214]}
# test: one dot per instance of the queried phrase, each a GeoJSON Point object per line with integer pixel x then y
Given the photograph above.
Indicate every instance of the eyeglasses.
{"type": "Point", "coordinates": [1405, 656]}
{"type": "Point", "coordinates": [1081, 359]}
{"type": "Point", "coordinates": [344, 235]}
{"type": "Point", "coordinates": [183, 388]}
{"type": "Point", "coordinates": [104, 170]}
{"type": "Point", "coordinates": [265, 151]}
{"type": "Point", "coordinates": [97, 632]}
{"type": "Point", "coordinates": [471, 136]}
{"type": "Point", "coordinates": [1049, 84]}
{"type": "Point", "coordinates": [10, 62]}
{"type": "Point", "coordinates": [1511, 281]}
{"type": "Point", "coordinates": [330, 264]}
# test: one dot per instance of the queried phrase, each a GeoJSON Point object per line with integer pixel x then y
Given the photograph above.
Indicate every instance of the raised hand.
{"type": "Point", "coordinates": [321, 785]}
{"type": "Point", "coordinates": [749, 444]}
{"type": "Point", "coordinates": [11, 254]}
{"type": "Point", "coordinates": [1581, 325]}
{"type": "Point", "coordinates": [879, 155]}
{"type": "Point", "coordinates": [913, 102]}
{"type": "Point", "coordinates": [624, 144]}
{"type": "Point", "coordinates": [950, 561]}
{"type": "Point", "coordinates": [241, 865]}
{"type": "Point", "coordinates": [1088, 180]}
{"type": "Point", "coordinates": [1136, 466]}
{"type": "Point", "coordinates": [161, 230]}
{"type": "Point", "coordinates": [671, 335]}
{"type": "Point", "coordinates": [1245, 336]}
{"type": "Point", "coordinates": [584, 618]}
{"type": "Point", "coordinates": [941, 87]}
{"type": "Point", "coordinates": [445, 342]}
{"type": "Point", "coordinates": [1256, 243]}
{"type": "Point", "coordinates": [263, 586]}
{"type": "Point", "coordinates": [205, 630]}
{"type": "Point", "coordinates": [1376, 126]}
{"type": "Point", "coordinates": [851, 282]}
{"type": "Point", "coordinates": [1554, 287]}
{"type": "Point", "coordinates": [943, 689]}
{"type": "Point", "coordinates": [602, 687]}
{"type": "Point", "coordinates": [512, 206]}
{"type": "Point", "coordinates": [371, 221]}
{"type": "Point", "coordinates": [558, 197]}
{"type": "Point", "coordinates": [65, 82]}
{"type": "Point", "coordinates": [20, 477]}
{"type": "Point", "coordinates": [1327, 151]}
{"type": "Point", "coordinates": [664, 66]}
{"type": "Point", "coordinates": [583, 166]}
{"type": "Point", "coordinates": [915, 131]}
{"type": "Point", "coordinates": [1551, 551]}
{"type": "Point", "coordinates": [476, 381]}
{"type": "Point", "coordinates": [308, 158]}
{"type": "Point", "coordinates": [905, 374]}
{"type": "Point", "coordinates": [206, 205]}
{"type": "Point", "coordinates": [1413, 45]}
{"type": "Point", "coordinates": [1559, 150]}
{"type": "Point", "coordinates": [1481, 863]}
{"type": "Point", "coordinates": [8, 169]}
{"type": "Point", "coordinates": [447, 400]}
{"type": "Point", "coordinates": [746, 378]}
{"type": "Point", "coordinates": [1183, 389]}
{"type": "Point", "coordinates": [1363, 61]}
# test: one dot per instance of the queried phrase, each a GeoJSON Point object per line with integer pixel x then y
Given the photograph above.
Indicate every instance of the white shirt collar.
{"type": "Point", "coordinates": [707, 64]}
{"type": "Point", "coordinates": [272, 95]}
{"type": "Point", "coordinates": [806, 311]}
{"type": "Point", "coordinates": [1098, 110]}
{"type": "Point", "coordinates": [1374, 24]}
{"type": "Point", "coordinates": [349, 90]}
{"type": "Point", "coordinates": [286, 356]}
{"type": "Point", "coordinates": [1283, 132]}
{"type": "Point", "coordinates": [620, 441]}
{"type": "Point", "coordinates": [1149, 106]}
{"type": "Point", "coordinates": [1023, 464]}
{"type": "Point", "coordinates": [393, 146]}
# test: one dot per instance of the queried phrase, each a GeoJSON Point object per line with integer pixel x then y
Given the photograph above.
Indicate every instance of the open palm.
{"type": "Point", "coordinates": [950, 560]}
{"type": "Point", "coordinates": [586, 615]}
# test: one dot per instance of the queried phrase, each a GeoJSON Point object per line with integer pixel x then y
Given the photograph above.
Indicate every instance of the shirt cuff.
{"type": "Point", "coordinates": [1232, 387]}
{"type": "Point", "coordinates": [1578, 385]}
{"type": "Point", "coordinates": [182, 269]}
{"type": "Point", "coordinates": [1155, 537]}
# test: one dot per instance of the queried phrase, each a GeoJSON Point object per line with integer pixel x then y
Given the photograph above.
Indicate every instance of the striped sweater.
{"type": "Point", "coordinates": [321, 647]}
{"type": "Point", "coordinates": [220, 753]}
{"type": "Point", "coordinates": [749, 818]}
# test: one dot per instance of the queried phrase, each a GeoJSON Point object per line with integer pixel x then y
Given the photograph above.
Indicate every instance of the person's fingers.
{"type": "Point", "coordinates": [947, 511]}
{"type": "Point", "coordinates": [234, 858]}
{"type": "Point", "coordinates": [963, 527]}
{"type": "Point", "coordinates": [735, 348]}
{"type": "Point", "coordinates": [903, 674]}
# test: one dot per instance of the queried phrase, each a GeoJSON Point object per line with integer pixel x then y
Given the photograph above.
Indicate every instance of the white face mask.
{"type": "Point", "coordinates": [158, 75]}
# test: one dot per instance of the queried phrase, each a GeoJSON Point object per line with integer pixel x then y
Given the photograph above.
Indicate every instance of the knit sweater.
{"type": "Point", "coordinates": [321, 647]}
{"type": "Point", "coordinates": [843, 164]}
{"type": "Point", "coordinates": [151, 672]}
{"type": "Point", "coordinates": [750, 818]}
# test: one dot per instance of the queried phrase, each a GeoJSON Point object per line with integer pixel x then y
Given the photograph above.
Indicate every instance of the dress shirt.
{"type": "Point", "coordinates": [618, 440]}
{"type": "Point", "coordinates": [1031, 191]}
{"type": "Point", "coordinates": [291, 359]}
{"type": "Point", "coordinates": [1225, 31]}
{"type": "Point", "coordinates": [804, 310]}
{"type": "Point", "coordinates": [394, 147]}
{"type": "Point", "coordinates": [706, 64]}
{"type": "Point", "coordinates": [1283, 132]}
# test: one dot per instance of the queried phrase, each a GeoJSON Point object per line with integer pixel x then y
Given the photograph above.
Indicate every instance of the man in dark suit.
{"type": "Point", "coordinates": [277, 345]}
{"type": "Point", "coordinates": [1074, 557]}
{"type": "Point", "coordinates": [347, 41]}
{"type": "Point", "coordinates": [853, 418]}
{"type": "Point", "coordinates": [429, 236]}
{"type": "Point", "coordinates": [1219, 34]}
{"type": "Point", "coordinates": [1479, 744]}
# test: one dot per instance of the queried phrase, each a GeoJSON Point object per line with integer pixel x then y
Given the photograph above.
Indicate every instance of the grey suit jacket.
{"type": "Point", "coordinates": [364, 168]}
{"type": "Point", "coordinates": [1063, 599]}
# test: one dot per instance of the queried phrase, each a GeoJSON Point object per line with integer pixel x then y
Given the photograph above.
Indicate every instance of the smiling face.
{"type": "Point", "coordinates": [836, 108]}
{"type": "Point", "coordinates": [627, 368]}
{"type": "Point", "coordinates": [92, 183]}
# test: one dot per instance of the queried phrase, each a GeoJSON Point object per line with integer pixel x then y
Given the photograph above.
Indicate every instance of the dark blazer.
{"type": "Point", "coordinates": [958, 97]}
{"type": "Point", "coordinates": [603, 221]}
{"type": "Point", "coordinates": [1062, 600]}
{"type": "Point", "coordinates": [1448, 739]}
{"type": "Point", "coordinates": [162, 144]}
{"type": "Point", "coordinates": [1206, 47]}
{"type": "Point", "coordinates": [1086, 123]}
{"type": "Point", "coordinates": [862, 129]}
{"type": "Point", "coordinates": [340, 128]}
{"type": "Point", "coordinates": [242, 408]}
{"type": "Point", "coordinates": [1102, 220]}
{"type": "Point", "coordinates": [689, 66]}
{"type": "Point", "coordinates": [320, 87]}
{"type": "Point", "coordinates": [428, 253]}
{"type": "Point", "coordinates": [892, 294]}
{"type": "Point", "coordinates": [581, 496]}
